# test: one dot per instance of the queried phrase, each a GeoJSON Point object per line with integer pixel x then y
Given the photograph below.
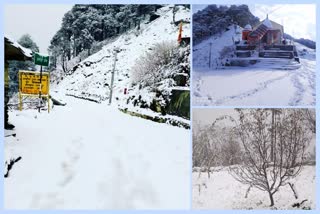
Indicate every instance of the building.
{"type": "Point", "coordinates": [14, 51]}
{"type": "Point", "coordinates": [266, 32]}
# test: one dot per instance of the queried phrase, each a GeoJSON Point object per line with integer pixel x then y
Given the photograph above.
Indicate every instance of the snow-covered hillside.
{"type": "Point", "coordinates": [201, 51]}
{"type": "Point", "coordinates": [92, 77]}
{"type": "Point", "coordinates": [266, 83]}
{"type": "Point", "coordinates": [91, 156]}
{"type": "Point", "coordinates": [222, 191]}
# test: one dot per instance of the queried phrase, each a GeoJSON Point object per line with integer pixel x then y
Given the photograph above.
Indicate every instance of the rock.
{"type": "Point", "coordinates": [180, 79]}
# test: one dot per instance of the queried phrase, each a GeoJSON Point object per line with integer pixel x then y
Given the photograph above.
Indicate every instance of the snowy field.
{"type": "Point", "coordinates": [255, 86]}
{"type": "Point", "coordinates": [91, 156]}
{"type": "Point", "coordinates": [222, 191]}
{"type": "Point", "coordinates": [271, 82]}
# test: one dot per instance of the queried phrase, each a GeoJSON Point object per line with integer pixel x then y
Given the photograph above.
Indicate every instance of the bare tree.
{"type": "Point", "coordinates": [310, 118]}
{"type": "Point", "coordinates": [231, 150]}
{"type": "Point", "coordinates": [274, 143]}
{"type": "Point", "coordinates": [206, 151]}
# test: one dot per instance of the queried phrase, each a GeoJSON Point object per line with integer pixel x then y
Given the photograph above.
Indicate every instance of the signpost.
{"type": "Point", "coordinates": [42, 61]}
{"type": "Point", "coordinates": [32, 84]}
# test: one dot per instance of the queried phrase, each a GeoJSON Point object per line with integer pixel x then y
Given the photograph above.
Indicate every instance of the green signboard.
{"type": "Point", "coordinates": [41, 60]}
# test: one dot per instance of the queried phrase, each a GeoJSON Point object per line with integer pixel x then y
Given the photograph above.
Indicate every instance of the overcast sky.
{"type": "Point", "coordinates": [41, 21]}
{"type": "Point", "coordinates": [299, 20]}
{"type": "Point", "coordinates": [203, 116]}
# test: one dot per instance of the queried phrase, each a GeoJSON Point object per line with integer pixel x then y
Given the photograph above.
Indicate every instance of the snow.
{"type": "Point", "coordinates": [91, 156]}
{"type": "Point", "coordinates": [248, 27]}
{"type": "Point", "coordinates": [27, 52]}
{"type": "Point", "coordinates": [201, 51]}
{"type": "Point", "coordinates": [270, 82]}
{"type": "Point", "coordinates": [267, 23]}
{"type": "Point", "coordinates": [222, 191]}
{"type": "Point", "coordinates": [132, 46]}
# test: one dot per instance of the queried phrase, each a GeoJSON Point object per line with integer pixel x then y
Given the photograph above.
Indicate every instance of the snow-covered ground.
{"type": "Point", "coordinates": [88, 155]}
{"type": "Point", "coordinates": [260, 84]}
{"type": "Point", "coordinates": [91, 156]}
{"type": "Point", "coordinates": [222, 191]}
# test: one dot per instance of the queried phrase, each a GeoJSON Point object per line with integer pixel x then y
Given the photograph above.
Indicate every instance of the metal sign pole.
{"type": "Point", "coordinates": [20, 96]}
{"type": "Point", "coordinates": [40, 89]}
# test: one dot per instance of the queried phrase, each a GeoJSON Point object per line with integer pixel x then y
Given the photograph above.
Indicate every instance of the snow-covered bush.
{"type": "Point", "coordinates": [227, 51]}
{"type": "Point", "coordinates": [149, 69]}
{"type": "Point", "coordinates": [164, 67]}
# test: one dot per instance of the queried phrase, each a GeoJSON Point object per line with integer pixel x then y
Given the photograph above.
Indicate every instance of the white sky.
{"type": "Point", "coordinates": [41, 21]}
{"type": "Point", "coordinates": [203, 116]}
{"type": "Point", "coordinates": [299, 20]}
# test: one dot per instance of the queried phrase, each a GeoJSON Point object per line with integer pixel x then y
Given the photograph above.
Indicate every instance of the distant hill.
{"type": "Point", "coordinates": [306, 42]}
{"type": "Point", "coordinates": [215, 19]}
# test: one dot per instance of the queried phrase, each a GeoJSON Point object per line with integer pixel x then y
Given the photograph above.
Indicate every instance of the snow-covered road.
{"type": "Point", "coordinates": [255, 86]}
{"type": "Point", "coordinates": [91, 156]}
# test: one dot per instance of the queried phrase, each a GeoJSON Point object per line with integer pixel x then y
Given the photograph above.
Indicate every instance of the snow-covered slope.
{"type": "Point", "coordinates": [92, 77]}
{"type": "Point", "coordinates": [201, 51]}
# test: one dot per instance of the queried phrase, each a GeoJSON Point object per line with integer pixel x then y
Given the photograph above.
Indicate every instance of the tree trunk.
{"type": "Point", "coordinates": [139, 24]}
{"type": "Point", "coordinates": [293, 190]}
{"type": "Point", "coordinates": [272, 135]}
{"type": "Point", "coordinates": [271, 199]}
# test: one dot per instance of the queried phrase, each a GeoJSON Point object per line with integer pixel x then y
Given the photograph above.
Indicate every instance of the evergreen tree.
{"type": "Point", "coordinates": [85, 25]}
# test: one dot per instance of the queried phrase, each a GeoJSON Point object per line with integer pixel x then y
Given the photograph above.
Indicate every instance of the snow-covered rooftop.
{"type": "Point", "coordinates": [248, 27]}
{"type": "Point", "coordinates": [26, 51]}
{"type": "Point", "coordinates": [267, 23]}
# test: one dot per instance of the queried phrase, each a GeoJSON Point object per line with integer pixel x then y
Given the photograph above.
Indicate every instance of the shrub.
{"type": "Point", "coordinates": [148, 69]}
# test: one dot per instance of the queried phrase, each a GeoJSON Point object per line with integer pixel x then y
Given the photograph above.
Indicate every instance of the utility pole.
{"type": "Point", "coordinates": [116, 50]}
{"type": "Point", "coordinates": [210, 54]}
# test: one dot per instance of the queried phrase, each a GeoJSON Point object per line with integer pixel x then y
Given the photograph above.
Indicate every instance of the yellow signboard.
{"type": "Point", "coordinates": [29, 85]}
{"type": "Point", "coordinates": [29, 82]}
